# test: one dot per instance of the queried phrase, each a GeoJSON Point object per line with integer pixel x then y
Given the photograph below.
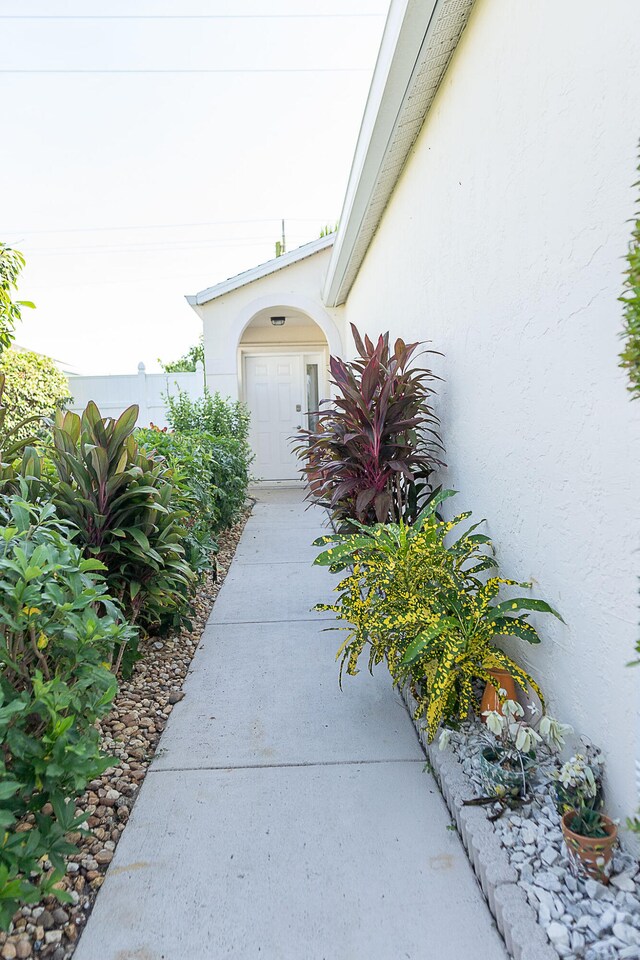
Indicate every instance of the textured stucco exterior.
{"type": "Point", "coordinates": [503, 244]}
{"type": "Point", "coordinates": [227, 319]}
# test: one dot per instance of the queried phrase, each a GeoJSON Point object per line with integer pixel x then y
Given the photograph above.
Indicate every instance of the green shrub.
{"type": "Point", "coordinates": [11, 264]}
{"type": "Point", "coordinates": [127, 510]}
{"type": "Point", "coordinates": [34, 387]}
{"type": "Point", "coordinates": [214, 472]}
{"type": "Point", "coordinates": [210, 414]}
{"type": "Point", "coordinates": [189, 458]}
{"type": "Point", "coordinates": [423, 606]}
{"type": "Point", "coordinates": [231, 459]}
{"type": "Point", "coordinates": [630, 356]}
{"type": "Point", "coordinates": [17, 456]}
{"type": "Point", "coordinates": [59, 630]}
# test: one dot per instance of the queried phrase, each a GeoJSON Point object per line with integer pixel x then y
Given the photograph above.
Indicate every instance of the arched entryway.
{"type": "Point", "coordinates": [283, 357]}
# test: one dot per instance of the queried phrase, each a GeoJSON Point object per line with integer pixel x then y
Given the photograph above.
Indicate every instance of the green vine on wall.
{"type": "Point", "coordinates": [630, 356]}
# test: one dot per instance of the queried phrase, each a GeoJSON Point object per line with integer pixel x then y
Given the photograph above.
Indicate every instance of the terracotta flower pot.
{"type": "Point", "coordinates": [490, 698]}
{"type": "Point", "coordinates": [590, 856]}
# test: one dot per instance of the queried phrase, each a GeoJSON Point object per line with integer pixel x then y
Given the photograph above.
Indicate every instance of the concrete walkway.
{"type": "Point", "coordinates": [283, 819]}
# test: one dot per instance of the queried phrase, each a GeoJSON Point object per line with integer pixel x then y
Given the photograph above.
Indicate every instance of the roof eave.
{"type": "Point", "coordinates": [418, 42]}
{"type": "Point", "coordinates": [262, 270]}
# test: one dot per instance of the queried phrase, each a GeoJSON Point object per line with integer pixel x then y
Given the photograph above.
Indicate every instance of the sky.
{"type": "Point", "coordinates": [130, 187]}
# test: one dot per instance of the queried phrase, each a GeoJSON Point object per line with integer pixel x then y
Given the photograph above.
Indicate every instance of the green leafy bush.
{"type": "Point", "coordinates": [630, 356]}
{"type": "Point", "coordinates": [59, 631]}
{"type": "Point", "coordinates": [127, 512]}
{"type": "Point", "coordinates": [210, 414]}
{"type": "Point", "coordinates": [17, 456]}
{"type": "Point", "coordinates": [423, 606]}
{"type": "Point", "coordinates": [231, 459]}
{"type": "Point", "coordinates": [11, 264]}
{"type": "Point", "coordinates": [34, 387]}
{"type": "Point", "coordinates": [214, 472]}
{"type": "Point", "coordinates": [191, 462]}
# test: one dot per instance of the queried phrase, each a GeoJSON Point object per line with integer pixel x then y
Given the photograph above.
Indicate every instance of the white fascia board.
{"type": "Point", "coordinates": [404, 49]}
{"type": "Point", "coordinates": [262, 270]}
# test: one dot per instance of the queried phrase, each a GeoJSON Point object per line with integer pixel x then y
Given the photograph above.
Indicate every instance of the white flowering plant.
{"type": "Point", "coordinates": [578, 782]}
{"type": "Point", "coordinates": [511, 736]}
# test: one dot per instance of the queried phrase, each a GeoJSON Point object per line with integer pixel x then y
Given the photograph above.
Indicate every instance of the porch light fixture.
{"type": "Point", "coordinates": [278, 321]}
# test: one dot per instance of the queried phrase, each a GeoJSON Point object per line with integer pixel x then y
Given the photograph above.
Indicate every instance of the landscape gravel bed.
{"type": "Point", "coordinates": [522, 866]}
{"type": "Point", "coordinates": [130, 733]}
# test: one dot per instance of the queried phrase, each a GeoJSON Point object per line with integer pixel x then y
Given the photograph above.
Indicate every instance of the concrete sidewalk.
{"type": "Point", "coordinates": [283, 819]}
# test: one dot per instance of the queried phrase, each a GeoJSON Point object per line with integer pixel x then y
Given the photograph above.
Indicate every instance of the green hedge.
{"type": "Point", "coordinates": [33, 387]}
{"type": "Point", "coordinates": [97, 533]}
{"type": "Point", "coordinates": [211, 414]}
{"type": "Point", "coordinates": [213, 470]}
{"type": "Point", "coordinates": [59, 631]}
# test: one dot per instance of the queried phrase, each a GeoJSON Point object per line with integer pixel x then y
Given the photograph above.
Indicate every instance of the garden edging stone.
{"type": "Point", "coordinates": [515, 918]}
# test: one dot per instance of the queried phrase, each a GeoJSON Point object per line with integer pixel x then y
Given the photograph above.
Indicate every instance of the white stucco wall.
{"type": "Point", "coordinates": [503, 243]}
{"type": "Point", "coordinates": [297, 286]}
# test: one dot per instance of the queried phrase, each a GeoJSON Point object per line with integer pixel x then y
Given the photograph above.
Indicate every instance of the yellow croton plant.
{"type": "Point", "coordinates": [427, 602]}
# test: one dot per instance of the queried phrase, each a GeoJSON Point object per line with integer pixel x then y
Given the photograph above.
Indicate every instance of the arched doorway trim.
{"type": "Point", "coordinates": [296, 301]}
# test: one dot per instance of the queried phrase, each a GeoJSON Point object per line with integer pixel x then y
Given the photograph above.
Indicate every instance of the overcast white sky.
{"type": "Point", "coordinates": [126, 191]}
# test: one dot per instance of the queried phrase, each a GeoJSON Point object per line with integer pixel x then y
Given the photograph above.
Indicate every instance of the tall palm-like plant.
{"type": "Point", "coordinates": [375, 447]}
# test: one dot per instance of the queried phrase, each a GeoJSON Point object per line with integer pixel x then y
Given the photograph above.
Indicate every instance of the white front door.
{"type": "Point", "coordinates": [274, 395]}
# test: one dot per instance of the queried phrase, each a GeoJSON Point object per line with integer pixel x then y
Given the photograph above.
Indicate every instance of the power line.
{"type": "Point", "coordinates": [160, 247]}
{"type": "Point", "coordinates": [167, 226]}
{"type": "Point", "coordinates": [213, 70]}
{"type": "Point", "coordinates": [194, 16]}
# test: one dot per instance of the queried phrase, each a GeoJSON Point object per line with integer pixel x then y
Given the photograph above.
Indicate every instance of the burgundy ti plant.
{"type": "Point", "coordinates": [376, 445]}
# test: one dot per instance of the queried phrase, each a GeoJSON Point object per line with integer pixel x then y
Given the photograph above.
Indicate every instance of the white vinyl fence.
{"type": "Point", "coordinates": [115, 393]}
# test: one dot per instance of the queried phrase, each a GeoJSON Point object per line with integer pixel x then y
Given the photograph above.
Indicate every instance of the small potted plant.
{"type": "Point", "coordinates": [589, 835]}
{"type": "Point", "coordinates": [580, 776]}
{"type": "Point", "coordinates": [508, 762]}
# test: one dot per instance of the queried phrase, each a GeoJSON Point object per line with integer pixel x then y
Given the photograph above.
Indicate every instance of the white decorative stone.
{"type": "Point", "coordinates": [595, 890]}
{"type": "Point", "coordinates": [626, 933]}
{"type": "Point", "coordinates": [558, 934]}
{"type": "Point", "coordinates": [584, 919]}
{"type": "Point", "coordinates": [623, 881]}
{"type": "Point", "coordinates": [607, 919]}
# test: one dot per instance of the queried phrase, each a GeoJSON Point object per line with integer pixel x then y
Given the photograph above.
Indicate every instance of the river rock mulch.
{"type": "Point", "coordinates": [130, 733]}
{"type": "Point", "coordinates": [583, 919]}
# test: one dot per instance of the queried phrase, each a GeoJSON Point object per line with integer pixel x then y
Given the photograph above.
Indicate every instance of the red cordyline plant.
{"type": "Point", "coordinates": [376, 445]}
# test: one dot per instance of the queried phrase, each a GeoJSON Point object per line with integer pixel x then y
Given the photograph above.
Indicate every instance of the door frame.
{"type": "Point", "coordinates": [308, 352]}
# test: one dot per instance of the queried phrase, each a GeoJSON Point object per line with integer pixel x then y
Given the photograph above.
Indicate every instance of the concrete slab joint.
{"type": "Point", "coordinates": [515, 918]}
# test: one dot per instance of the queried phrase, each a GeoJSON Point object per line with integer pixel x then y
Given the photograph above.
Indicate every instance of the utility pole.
{"type": "Point", "coordinates": [284, 246]}
{"type": "Point", "coordinates": [280, 244]}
